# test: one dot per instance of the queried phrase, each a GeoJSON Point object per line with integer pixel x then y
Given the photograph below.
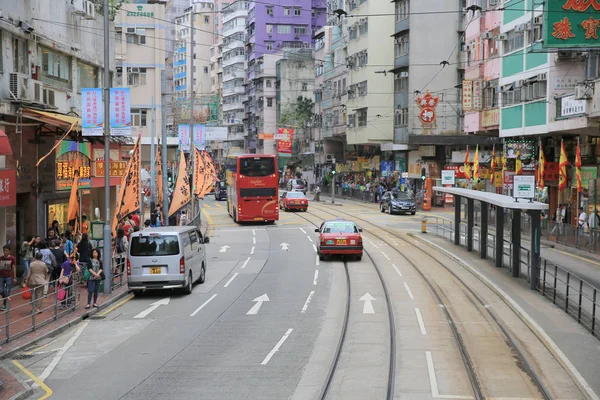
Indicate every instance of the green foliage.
{"type": "Point", "coordinates": [297, 114]}
{"type": "Point", "coordinates": [113, 5]}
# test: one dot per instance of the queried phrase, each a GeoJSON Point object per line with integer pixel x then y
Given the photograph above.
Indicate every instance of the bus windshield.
{"type": "Point", "coordinates": [257, 166]}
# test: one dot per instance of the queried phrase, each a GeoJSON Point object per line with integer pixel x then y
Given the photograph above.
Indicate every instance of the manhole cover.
{"type": "Point", "coordinates": [23, 357]}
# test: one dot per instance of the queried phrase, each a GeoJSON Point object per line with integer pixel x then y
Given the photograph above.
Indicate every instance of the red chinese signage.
{"type": "Point", "coordinates": [8, 187]}
{"type": "Point", "coordinates": [428, 104]}
{"type": "Point", "coordinates": [285, 146]}
{"type": "Point", "coordinates": [551, 172]}
{"type": "Point", "coordinates": [459, 172]}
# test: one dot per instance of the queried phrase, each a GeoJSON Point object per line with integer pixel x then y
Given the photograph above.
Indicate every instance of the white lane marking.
{"type": "Point", "coordinates": [307, 302]}
{"type": "Point", "coordinates": [316, 277]}
{"type": "Point", "coordinates": [315, 247]}
{"type": "Point", "coordinates": [303, 231]}
{"type": "Point", "coordinates": [309, 238]}
{"type": "Point", "coordinates": [374, 245]}
{"type": "Point", "coordinates": [253, 239]}
{"type": "Point", "coordinates": [368, 306]}
{"type": "Point", "coordinates": [203, 305]}
{"type": "Point", "coordinates": [277, 346]}
{"type": "Point", "coordinates": [246, 262]}
{"type": "Point", "coordinates": [408, 291]}
{"type": "Point", "coordinates": [153, 306]}
{"type": "Point", "coordinates": [259, 301]}
{"type": "Point", "coordinates": [252, 250]}
{"type": "Point", "coordinates": [230, 279]}
{"type": "Point", "coordinates": [432, 379]}
{"type": "Point", "coordinates": [386, 256]}
{"type": "Point", "coordinates": [420, 319]}
{"type": "Point", "coordinates": [397, 270]}
{"type": "Point", "coordinates": [317, 259]}
{"type": "Point", "coordinates": [59, 355]}
{"type": "Point", "coordinates": [224, 249]}
{"type": "Point", "coordinates": [253, 232]}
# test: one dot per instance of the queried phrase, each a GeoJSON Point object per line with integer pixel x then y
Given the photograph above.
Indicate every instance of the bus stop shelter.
{"type": "Point", "coordinates": [502, 203]}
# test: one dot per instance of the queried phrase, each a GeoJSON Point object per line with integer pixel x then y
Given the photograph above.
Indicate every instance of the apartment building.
{"type": "Point", "coordinates": [323, 39]}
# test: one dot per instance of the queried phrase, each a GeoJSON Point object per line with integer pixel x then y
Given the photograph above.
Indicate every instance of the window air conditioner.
{"type": "Point", "coordinates": [583, 92]}
{"type": "Point", "coordinates": [90, 10]}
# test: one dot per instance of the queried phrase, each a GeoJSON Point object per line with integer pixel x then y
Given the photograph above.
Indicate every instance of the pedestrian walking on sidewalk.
{"type": "Point", "coordinates": [36, 279]}
{"type": "Point", "coordinates": [27, 253]}
{"type": "Point", "coordinates": [84, 249]}
{"type": "Point", "coordinates": [67, 269]}
{"type": "Point", "coordinates": [48, 258]}
{"type": "Point", "coordinates": [60, 256]}
{"type": "Point", "coordinates": [8, 274]}
{"type": "Point", "coordinates": [96, 275]}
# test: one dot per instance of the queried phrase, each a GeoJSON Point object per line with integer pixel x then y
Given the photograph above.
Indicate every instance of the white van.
{"type": "Point", "coordinates": [169, 257]}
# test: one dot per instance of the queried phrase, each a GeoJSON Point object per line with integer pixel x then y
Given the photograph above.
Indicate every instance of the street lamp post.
{"type": "Point", "coordinates": [107, 239]}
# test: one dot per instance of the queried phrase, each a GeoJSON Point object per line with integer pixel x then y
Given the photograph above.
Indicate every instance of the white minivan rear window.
{"type": "Point", "coordinates": [154, 245]}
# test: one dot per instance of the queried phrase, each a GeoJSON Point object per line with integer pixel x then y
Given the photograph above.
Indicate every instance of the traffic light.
{"type": "Point", "coordinates": [423, 174]}
{"type": "Point", "coordinates": [170, 179]}
{"type": "Point", "coordinates": [333, 169]}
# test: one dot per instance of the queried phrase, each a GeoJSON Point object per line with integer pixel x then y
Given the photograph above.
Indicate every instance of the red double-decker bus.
{"type": "Point", "coordinates": [252, 188]}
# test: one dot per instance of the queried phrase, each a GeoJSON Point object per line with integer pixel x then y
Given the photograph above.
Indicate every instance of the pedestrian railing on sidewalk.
{"type": "Point", "coordinates": [118, 278]}
{"type": "Point", "coordinates": [23, 318]}
{"type": "Point", "coordinates": [575, 295]}
{"type": "Point", "coordinates": [367, 196]}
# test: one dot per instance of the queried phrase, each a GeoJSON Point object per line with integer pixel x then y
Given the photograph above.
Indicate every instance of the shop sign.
{"type": "Point", "coordinates": [571, 23]}
{"type": "Point", "coordinates": [71, 155]}
{"type": "Point", "coordinates": [570, 107]}
{"type": "Point", "coordinates": [140, 13]}
{"type": "Point", "coordinates": [508, 179]}
{"type": "Point", "coordinates": [120, 112]}
{"type": "Point", "coordinates": [434, 170]}
{"type": "Point", "coordinates": [498, 178]}
{"type": "Point", "coordinates": [428, 104]}
{"type": "Point", "coordinates": [265, 136]}
{"type": "Point", "coordinates": [198, 135]}
{"type": "Point", "coordinates": [587, 173]}
{"type": "Point", "coordinates": [490, 118]}
{"type": "Point", "coordinates": [448, 177]}
{"type": "Point", "coordinates": [285, 146]}
{"type": "Point", "coordinates": [551, 172]}
{"type": "Point", "coordinates": [387, 168]}
{"type": "Point", "coordinates": [524, 186]}
{"type": "Point", "coordinates": [92, 119]}
{"type": "Point", "coordinates": [467, 90]}
{"type": "Point", "coordinates": [478, 95]}
{"type": "Point", "coordinates": [116, 168]}
{"type": "Point", "coordinates": [459, 172]}
{"type": "Point", "coordinates": [183, 131]}
{"type": "Point", "coordinates": [526, 149]}
{"type": "Point", "coordinates": [8, 187]}
{"type": "Point", "coordinates": [427, 151]}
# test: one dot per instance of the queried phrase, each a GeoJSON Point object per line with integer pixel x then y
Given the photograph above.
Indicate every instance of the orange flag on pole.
{"type": "Point", "coordinates": [578, 168]}
{"type": "Point", "coordinates": [493, 167]}
{"type": "Point", "coordinates": [73, 211]}
{"type": "Point", "coordinates": [199, 174]}
{"type": "Point", "coordinates": [467, 165]}
{"type": "Point", "coordinates": [562, 167]}
{"type": "Point", "coordinates": [182, 192]}
{"type": "Point", "coordinates": [128, 200]}
{"type": "Point", "coordinates": [210, 172]}
{"type": "Point", "coordinates": [541, 168]}
{"type": "Point", "coordinates": [476, 165]}
{"type": "Point", "coordinates": [518, 164]}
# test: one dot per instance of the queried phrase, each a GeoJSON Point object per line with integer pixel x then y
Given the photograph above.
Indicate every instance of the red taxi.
{"type": "Point", "coordinates": [339, 237]}
{"type": "Point", "coordinates": [293, 201]}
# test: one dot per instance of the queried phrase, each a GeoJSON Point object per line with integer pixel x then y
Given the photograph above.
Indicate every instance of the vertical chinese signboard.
{"type": "Point", "coordinates": [467, 90]}
{"type": "Point", "coordinates": [478, 95]}
{"type": "Point", "coordinates": [8, 187]}
{"type": "Point", "coordinates": [120, 112]}
{"type": "Point", "coordinates": [70, 157]}
{"type": "Point", "coordinates": [184, 137]}
{"type": "Point", "coordinates": [198, 136]}
{"type": "Point", "coordinates": [571, 23]}
{"type": "Point", "coordinates": [91, 110]}
{"type": "Point", "coordinates": [285, 145]}
{"type": "Point", "coordinates": [428, 104]}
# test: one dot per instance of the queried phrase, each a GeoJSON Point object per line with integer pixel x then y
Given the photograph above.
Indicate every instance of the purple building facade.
{"type": "Point", "coordinates": [271, 29]}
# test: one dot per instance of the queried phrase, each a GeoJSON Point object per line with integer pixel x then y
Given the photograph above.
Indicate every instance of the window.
{"type": "Point", "coordinates": [269, 83]}
{"type": "Point", "coordinates": [514, 42]}
{"type": "Point", "coordinates": [257, 166]}
{"type": "Point", "coordinates": [297, 12]}
{"type": "Point", "coordinates": [88, 75]}
{"type": "Point", "coordinates": [269, 102]}
{"type": "Point", "coordinates": [152, 246]}
{"type": "Point", "coordinates": [20, 56]}
{"type": "Point", "coordinates": [300, 30]}
{"type": "Point", "coordinates": [401, 47]}
{"type": "Point", "coordinates": [206, 19]}
{"type": "Point", "coordinates": [270, 10]}
{"type": "Point", "coordinates": [304, 87]}
{"type": "Point", "coordinates": [206, 70]}
{"type": "Point", "coordinates": [56, 68]}
{"type": "Point", "coordinates": [269, 29]}
{"type": "Point", "coordinates": [402, 10]}
{"type": "Point", "coordinates": [138, 117]}
{"type": "Point", "coordinates": [136, 76]}
{"type": "Point", "coordinates": [284, 29]}
{"type": "Point", "coordinates": [136, 35]}
{"type": "Point", "coordinates": [287, 11]}
{"type": "Point", "coordinates": [490, 94]}
{"type": "Point", "coordinates": [401, 82]}
{"type": "Point", "coordinates": [362, 117]}
{"type": "Point", "coordinates": [401, 117]}
{"type": "Point", "coordinates": [269, 45]}
{"type": "Point", "coordinates": [343, 86]}
{"type": "Point", "coordinates": [592, 66]}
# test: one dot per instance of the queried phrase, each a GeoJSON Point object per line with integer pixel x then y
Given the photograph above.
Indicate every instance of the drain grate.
{"type": "Point", "coordinates": [23, 357]}
{"type": "Point", "coordinates": [97, 316]}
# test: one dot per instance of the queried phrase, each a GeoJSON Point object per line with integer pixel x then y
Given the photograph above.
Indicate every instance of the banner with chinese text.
{"type": "Point", "coordinates": [92, 115]}
{"type": "Point", "coordinates": [198, 136]}
{"type": "Point", "coordinates": [120, 112]}
{"type": "Point", "coordinates": [571, 23]}
{"type": "Point", "coordinates": [184, 137]}
{"type": "Point", "coordinates": [285, 146]}
{"type": "Point", "coordinates": [72, 156]}
{"type": "Point", "coordinates": [128, 200]}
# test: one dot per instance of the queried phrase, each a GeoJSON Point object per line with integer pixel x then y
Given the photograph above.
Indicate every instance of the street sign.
{"type": "Point", "coordinates": [524, 186]}
{"type": "Point", "coordinates": [448, 177]}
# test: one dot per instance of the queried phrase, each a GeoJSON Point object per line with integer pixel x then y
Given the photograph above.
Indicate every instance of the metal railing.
{"type": "Point", "coordinates": [118, 278]}
{"type": "Point", "coordinates": [576, 296]}
{"type": "Point", "coordinates": [368, 196]}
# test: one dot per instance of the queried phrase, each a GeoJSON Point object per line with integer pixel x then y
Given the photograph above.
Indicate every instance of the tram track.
{"type": "Point", "coordinates": [339, 353]}
{"type": "Point", "coordinates": [448, 298]}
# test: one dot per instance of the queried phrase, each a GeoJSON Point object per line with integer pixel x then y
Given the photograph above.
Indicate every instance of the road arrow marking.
{"type": "Point", "coordinates": [203, 305]}
{"type": "Point", "coordinates": [368, 306]}
{"type": "Point", "coordinates": [153, 307]}
{"type": "Point", "coordinates": [259, 301]}
{"type": "Point", "coordinates": [284, 246]}
{"type": "Point", "coordinates": [224, 249]}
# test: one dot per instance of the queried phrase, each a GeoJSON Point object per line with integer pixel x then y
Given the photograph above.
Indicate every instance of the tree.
{"type": "Point", "coordinates": [298, 114]}
{"type": "Point", "coordinates": [113, 5]}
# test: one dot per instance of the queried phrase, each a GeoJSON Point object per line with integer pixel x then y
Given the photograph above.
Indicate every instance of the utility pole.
{"type": "Point", "coordinates": [193, 94]}
{"type": "Point", "coordinates": [153, 161]}
{"type": "Point", "coordinates": [165, 170]}
{"type": "Point", "coordinates": [107, 240]}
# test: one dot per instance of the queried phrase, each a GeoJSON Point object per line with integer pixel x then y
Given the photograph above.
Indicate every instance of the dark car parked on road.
{"type": "Point", "coordinates": [397, 202]}
{"type": "Point", "coordinates": [220, 191]}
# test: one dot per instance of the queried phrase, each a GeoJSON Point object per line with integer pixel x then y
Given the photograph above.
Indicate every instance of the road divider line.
{"type": "Point", "coordinates": [61, 352]}
{"type": "Point", "coordinates": [253, 239]}
{"type": "Point", "coordinates": [373, 244]}
{"type": "Point", "coordinates": [386, 256]}
{"type": "Point", "coordinates": [252, 250]}
{"type": "Point", "coordinates": [303, 231]}
{"type": "Point", "coordinates": [203, 305]}
{"type": "Point", "coordinates": [253, 232]}
{"type": "Point", "coordinates": [246, 262]}
{"type": "Point", "coordinates": [315, 247]}
{"type": "Point", "coordinates": [231, 279]}
{"type": "Point", "coordinates": [277, 346]}
{"type": "Point", "coordinates": [206, 205]}
{"type": "Point", "coordinates": [218, 205]}
{"type": "Point", "coordinates": [432, 379]}
{"type": "Point", "coordinates": [408, 291]}
{"type": "Point", "coordinates": [309, 238]}
{"type": "Point", "coordinates": [35, 379]}
{"type": "Point", "coordinates": [316, 277]}
{"type": "Point", "coordinates": [317, 259]}
{"type": "Point", "coordinates": [397, 270]}
{"type": "Point", "coordinates": [307, 302]}
{"type": "Point", "coordinates": [420, 319]}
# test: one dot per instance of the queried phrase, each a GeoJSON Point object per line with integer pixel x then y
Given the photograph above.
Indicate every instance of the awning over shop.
{"type": "Point", "coordinates": [54, 119]}
{"type": "Point", "coordinates": [5, 149]}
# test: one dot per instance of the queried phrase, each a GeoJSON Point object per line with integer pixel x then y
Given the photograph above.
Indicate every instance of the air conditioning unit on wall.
{"type": "Point", "coordinates": [583, 92]}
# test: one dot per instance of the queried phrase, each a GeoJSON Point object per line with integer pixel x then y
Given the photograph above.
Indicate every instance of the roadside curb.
{"type": "Point", "coordinates": [27, 391]}
{"type": "Point", "coordinates": [537, 330]}
{"type": "Point", "coordinates": [66, 325]}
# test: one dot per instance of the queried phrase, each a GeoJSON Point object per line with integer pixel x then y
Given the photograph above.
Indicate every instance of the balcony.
{"type": "Point", "coordinates": [240, 59]}
{"type": "Point", "coordinates": [235, 90]}
{"type": "Point", "coordinates": [339, 131]}
{"type": "Point", "coordinates": [232, 106]}
{"type": "Point", "coordinates": [227, 31]}
{"type": "Point", "coordinates": [402, 25]}
{"type": "Point", "coordinates": [235, 44]}
{"type": "Point", "coordinates": [228, 14]}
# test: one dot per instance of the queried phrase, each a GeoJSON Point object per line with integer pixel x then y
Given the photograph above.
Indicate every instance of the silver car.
{"type": "Point", "coordinates": [171, 257]}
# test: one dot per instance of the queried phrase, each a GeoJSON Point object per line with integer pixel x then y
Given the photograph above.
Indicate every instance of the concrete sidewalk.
{"type": "Point", "coordinates": [575, 348]}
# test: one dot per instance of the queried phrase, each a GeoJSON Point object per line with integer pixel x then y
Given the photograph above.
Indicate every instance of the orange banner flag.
{"type": "Point", "coordinates": [128, 200]}
{"type": "Point", "coordinates": [210, 173]}
{"type": "Point", "coordinates": [541, 168]}
{"type": "Point", "coordinates": [578, 167]}
{"type": "Point", "coordinates": [467, 165]}
{"type": "Point", "coordinates": [493, 166]}
{"type": "Point", "coordinates": [562, 167]}
{"type": "Point", "coordinates": [182, 191]}
{"type": "Point", "coordinates": [199, 174]}
{"type": "Point", "coordinates": [73, 211]}
{"type": "Point", "coordinates": [518, 163]}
